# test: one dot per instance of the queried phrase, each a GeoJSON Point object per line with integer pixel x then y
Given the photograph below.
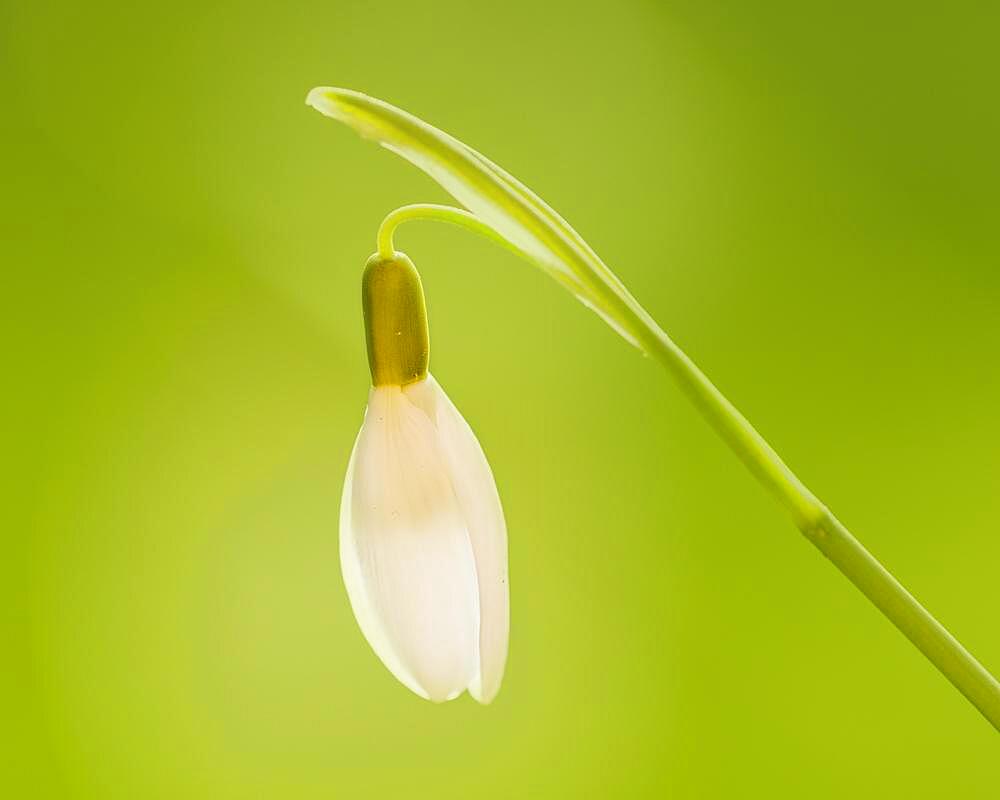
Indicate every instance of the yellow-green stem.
{"type": "Point", "coordinates": [829, 535]}
{"type": "Point", "coordinates": [428, 211]}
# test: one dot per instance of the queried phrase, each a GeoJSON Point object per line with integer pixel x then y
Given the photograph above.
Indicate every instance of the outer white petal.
{"type": "Point", "coordinates": [405, 552]}
{"type": "Point", "coordinates": [477, 496]}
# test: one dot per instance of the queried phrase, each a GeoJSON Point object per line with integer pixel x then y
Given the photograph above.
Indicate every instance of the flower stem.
{"type": "Point", "coordinates": [811, 517]}
{"type": "Point", "coordinates": [432, 211]}
{"type": "Point", "coordinates": [829, 535]}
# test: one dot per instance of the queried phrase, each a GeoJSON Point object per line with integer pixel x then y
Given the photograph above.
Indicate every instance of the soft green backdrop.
{"type": "Point", "coordinates": [804, 194]}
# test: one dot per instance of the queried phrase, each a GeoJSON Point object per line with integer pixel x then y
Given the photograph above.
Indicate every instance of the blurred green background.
{"type": "Point", "coordinates": [805, 195]}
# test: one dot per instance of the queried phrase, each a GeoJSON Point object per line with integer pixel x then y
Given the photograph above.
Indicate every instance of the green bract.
{"type": "Point", "coordinates": [517, 215]}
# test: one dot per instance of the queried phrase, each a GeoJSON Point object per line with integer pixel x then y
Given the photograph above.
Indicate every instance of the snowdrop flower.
{"type": "Point", "coordinates": [423, 543]}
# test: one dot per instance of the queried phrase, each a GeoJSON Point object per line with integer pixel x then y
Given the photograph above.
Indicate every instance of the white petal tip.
{"type": "Point", "coordinates": [483, 700]}
{"type": "Point", "coordinates": [481, 696]}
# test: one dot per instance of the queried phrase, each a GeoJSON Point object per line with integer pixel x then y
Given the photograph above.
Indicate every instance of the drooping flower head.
{"type": "Point", "coordinates": [423, 543]}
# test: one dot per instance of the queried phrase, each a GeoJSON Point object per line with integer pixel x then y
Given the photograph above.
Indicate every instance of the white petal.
{"type": "Point", "coordinates": [405, 551]}
{"type": "Point", "coordinates": [477, 496]}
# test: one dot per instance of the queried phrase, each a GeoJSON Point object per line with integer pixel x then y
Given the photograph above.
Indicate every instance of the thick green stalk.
{"type": "Point", "coordinates": [829, 535]}
{"type": "Point", "coordinates": [812, 518]}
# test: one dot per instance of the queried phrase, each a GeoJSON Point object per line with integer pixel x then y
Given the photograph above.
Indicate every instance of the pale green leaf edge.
{"type": "Point", "coordinates": [517, 214]}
